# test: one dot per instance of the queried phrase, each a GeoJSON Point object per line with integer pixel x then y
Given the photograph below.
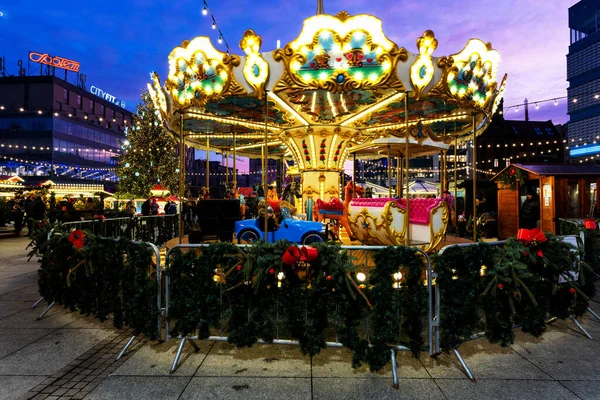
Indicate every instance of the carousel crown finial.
{"type": "Point", "coordinates": [320, 8]}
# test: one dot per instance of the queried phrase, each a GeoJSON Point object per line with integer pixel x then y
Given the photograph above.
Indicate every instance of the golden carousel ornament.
{"type": "Point", "coordinates": [332, 93]}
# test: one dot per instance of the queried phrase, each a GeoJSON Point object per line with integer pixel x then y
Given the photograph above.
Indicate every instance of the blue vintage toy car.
{"type": "Point", "coordinates": [295, 231]}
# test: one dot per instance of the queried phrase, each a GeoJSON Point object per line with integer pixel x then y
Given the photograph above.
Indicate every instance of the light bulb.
{"type": "Point", "coordinates": [214, 26]}
{"type": "Point", "coordinates": [517, 109]}
{"type": "Point", "coordinates": [204, 11]}
{"type": "Point", "coordinates": [536, 106]}
{"type": "Point", "coordinates": [220, 39]}
{"type": "Point", "coordinates": [555, 102]}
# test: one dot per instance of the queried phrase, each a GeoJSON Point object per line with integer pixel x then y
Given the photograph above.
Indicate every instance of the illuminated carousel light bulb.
{"type": "Point", "coordinates": [220, 40]}
{"type": "Point", "coordinates": [214, 25]}
{"type": "Point", "coordinates": [204, 11]}
{"type": "Point", "coordinates": [361, 277]}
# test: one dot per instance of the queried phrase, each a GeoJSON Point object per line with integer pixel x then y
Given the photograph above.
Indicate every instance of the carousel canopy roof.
{"type": "Point", "coordinates": [341, 71]}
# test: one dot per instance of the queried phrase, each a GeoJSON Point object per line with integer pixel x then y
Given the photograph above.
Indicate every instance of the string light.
{"type": "Point", "coordinates": [206, 11]}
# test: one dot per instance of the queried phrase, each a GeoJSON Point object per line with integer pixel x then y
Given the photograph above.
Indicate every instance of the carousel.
{"type": "Point", "coordinates": [340, 91]}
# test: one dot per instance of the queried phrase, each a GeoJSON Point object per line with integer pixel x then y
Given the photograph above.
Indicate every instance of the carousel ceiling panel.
{"type": "Point", "coordinates": [394, 113]}
{"type": "Point", "coordinates": [247, 108]}
{"type": "Point", "coordinates": [205, 126]}
{"type": "Point", "coordinates": [322, 106]}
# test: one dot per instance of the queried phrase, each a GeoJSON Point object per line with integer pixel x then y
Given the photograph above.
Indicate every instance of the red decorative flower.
{"type": "Point", "coordinates": [307, 158]}
{"type": "Point", "coordinates": [335, 158]}
{"type": "Point", "coordinates": [500, 286]}
{"type": "Point", "coordinates": [322, 157]}
{"type": "Point", "coordinates": [512, 171]}
{"type": "Point", "coordinates": [272, 271]}
{"type": "Point", "coordinates": [572, 291]}
{"type": "Point", "coordinates": [76, 238]}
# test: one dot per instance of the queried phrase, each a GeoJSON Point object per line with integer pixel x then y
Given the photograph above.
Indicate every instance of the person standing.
{"type": "Point", "coordinates": [530, 211]}
{"type": "Point", "coordinates": [146, 207]}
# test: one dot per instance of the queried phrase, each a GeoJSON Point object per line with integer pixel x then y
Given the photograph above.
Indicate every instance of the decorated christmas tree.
{"type": "Point", "coordinates": [150, 154]}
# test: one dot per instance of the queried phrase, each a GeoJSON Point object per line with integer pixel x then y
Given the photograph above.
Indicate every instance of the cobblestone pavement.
{"type": "Point", "coordinates": [67, 355]}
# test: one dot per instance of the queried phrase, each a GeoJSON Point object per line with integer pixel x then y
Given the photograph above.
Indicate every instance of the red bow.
{"type": "Point", "coordinates": [76, 238]}
{"type": "Point", "coordinates": [533, 238]}
{"type": "Point", "coordinates": [306, 253]}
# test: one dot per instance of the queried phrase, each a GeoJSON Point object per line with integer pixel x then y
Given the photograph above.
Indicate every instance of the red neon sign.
{"type": "Point", "coordinates": [58, 62]}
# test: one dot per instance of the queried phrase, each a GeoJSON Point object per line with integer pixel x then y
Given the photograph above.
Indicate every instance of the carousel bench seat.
{"type": "Point", "coordinates": [420, 209]}
{"type": "Point", "coordinates": [246, 191]}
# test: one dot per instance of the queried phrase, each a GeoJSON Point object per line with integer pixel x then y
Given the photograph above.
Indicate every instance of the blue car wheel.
{"type": "Point", "coordinates": [311, 237]}
{"type": "Point", "coordinates": [248, 237]}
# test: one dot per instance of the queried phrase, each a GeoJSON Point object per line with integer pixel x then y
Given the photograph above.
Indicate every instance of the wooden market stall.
{"type": "Point", "coordinates": [564, 191]}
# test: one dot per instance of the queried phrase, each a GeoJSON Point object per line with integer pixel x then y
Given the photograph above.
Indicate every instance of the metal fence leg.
{"type": "Point", "coordinates": [178, 355]}
{"type": "Point", "coordinates": [194, 345]}
{"type": "Point", "coordinates": [37, 302]}
{"type": "Point", "coordinates": [463, 364]}
{"type": "Point", "coordinates": [581, 328]}
{"type": "Point", "coordinates": [122, 353]}
{"type": "Point", "coordinates": [45, 311]}
{"type": "Point", "coordinates": [593, 313]}
{"type": "Point", "coordinates": [395, 384]}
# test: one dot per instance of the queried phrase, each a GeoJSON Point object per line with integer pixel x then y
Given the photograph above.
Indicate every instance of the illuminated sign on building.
{"type": "Point", "coordinates": [106, 96]}
{"type": "Point", "coordinates": [58, 62]}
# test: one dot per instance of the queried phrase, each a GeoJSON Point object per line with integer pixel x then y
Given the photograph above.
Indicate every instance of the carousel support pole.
{"type": "Point", "coordinates": [444, 170]}
{"type": "Point", "coordinates": [474, 167]}
{"type": "Point", "coordinates": [398, 176]}
{"type": "Point", "coordinates": [234, 163]}
{"type": "Point", "coordinates": [455, 183]}
{"type": "Point", "coordinates": [208, 166]}
{"type": "Point", "coordinates": [353, 172]}
{"type": "Point", "coordinates": [226, 170]}
{"type": "Point", "coordinates": [265, 165]}
{"type": "Point", "coordinates": [407, 158]}
{"type": "Point", "coordinates": [181, 177]}
{"type": "Point", "coordinates": [282, 178]}
{"type": "Point", "coordinates": [389, 165]}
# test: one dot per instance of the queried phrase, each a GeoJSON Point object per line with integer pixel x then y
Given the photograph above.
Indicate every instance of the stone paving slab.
{"type": "Point", "coordinates": [12, 307]}
{"type": "Point", "coordinates": [139, 387]}
{"type": "Point", "coordinates": [25, 293]}
{"type": "Point", "coordinates": [562, 355]}
{"type": "Point", "coordinates": [15, 339]}
{"type": "Point", "coordinates": [260, 360]}
{"type": "Point", "coordinates": [51, 353]}
{"type": "Point", "coordinates": [57, 317]}
{"type": "Point", "coordinates": [486, 361]}
{"type": "Point", "coordinates": [246, 388]}
{"type": "Point", "coordinates": [462, 389]}
{"type": "Point", "coordinates": [337, 362]}
{"type": "Point", "coordinates": [11, 387]}
{"type": "Point", "coordinates": [155, 359]}
{"type": "Point", "coordinates": [374, 388]}
{"type": "Point", "coordinates": [587, 390]}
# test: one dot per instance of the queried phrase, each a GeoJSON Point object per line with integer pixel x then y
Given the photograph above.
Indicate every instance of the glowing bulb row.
{"type": "Point", "coordinates": [221, 40]}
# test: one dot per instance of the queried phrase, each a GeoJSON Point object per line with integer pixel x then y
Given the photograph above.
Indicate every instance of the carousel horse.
{"type": "Point", "coordinates": [291, 193]}
{"type": "Point", "coordinates": [336, 210]}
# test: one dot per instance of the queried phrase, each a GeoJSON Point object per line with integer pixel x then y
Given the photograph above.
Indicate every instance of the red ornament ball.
{"type": "Point", "coordinates": [239, 267]}
{"type": "Point", "coordinates": [500, 286]}
{"type": "Point", "coordinates": [329, 277]}
{"type": "Point", "coordinates": [272, 271]}
{"type": "Point", "coordinates": [525, 254]}
{"type": "Point", "coordinates": [572, 291]}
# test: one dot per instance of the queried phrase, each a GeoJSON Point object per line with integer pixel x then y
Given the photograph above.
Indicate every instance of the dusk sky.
{"type": "Point", "coordinates": [118, 43]}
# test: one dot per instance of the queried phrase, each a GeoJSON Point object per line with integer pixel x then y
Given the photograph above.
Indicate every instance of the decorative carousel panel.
{"type": "Point", "coordinates": [199, 73]}
{"type": "Point", "coordinates": [422, 70]}
{"type": "Point", "coordinates": [472, 79]}
{"type": "Point", "coordinates": [256, 69]}
{"type": "Point", "coordinates": [159, 96]}
{"type": "Point", "coordinates": [394, 113]}
{"type": "Point", "coordinates": [339, 54]}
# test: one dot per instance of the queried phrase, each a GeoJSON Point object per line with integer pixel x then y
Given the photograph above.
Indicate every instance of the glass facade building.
{"type": "Point", "coordinates": [52, 128]}
{"type": "Point", "coordinates": [583, 74]}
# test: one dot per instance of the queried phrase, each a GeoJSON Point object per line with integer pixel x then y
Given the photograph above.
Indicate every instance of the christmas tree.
{"type": "Point", "coordinates": [150, 154]}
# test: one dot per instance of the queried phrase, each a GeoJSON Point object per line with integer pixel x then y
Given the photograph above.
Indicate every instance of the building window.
{"type": "Point", "coordinates": [91, 105]}
{"type": "Point", "coordinates": [102, 110]}
{"type": "Point", "coordinates": [79, 100]}
{"type": "Point", "coordinates": [57, 106]}
{"type": "Point", "coordinates": [538, 131]}
{"type": "Point", "coordinates": [66, 95]}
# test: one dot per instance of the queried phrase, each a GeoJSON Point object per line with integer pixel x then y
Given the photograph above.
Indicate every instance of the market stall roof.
{"type": "Point", "coordinates": [555, 169]}
{"type": "Point", "coordinates": [10, 178]}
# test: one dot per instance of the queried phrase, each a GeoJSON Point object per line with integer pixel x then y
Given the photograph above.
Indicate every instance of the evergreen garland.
{"type": "Point", "coordinates": [458, 276]}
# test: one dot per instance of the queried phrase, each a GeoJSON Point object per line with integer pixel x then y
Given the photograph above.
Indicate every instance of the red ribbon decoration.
{"type": "Point", "coordinates": [291, 255]}
{"type": "Point", "coordinates": [589, 223]}
{"type": "Point", "coordinates": [76, 238]}
{"type": "Point", "coordinates": [533, 238]}
{"type": "Point", "coordinates": [308, 253]}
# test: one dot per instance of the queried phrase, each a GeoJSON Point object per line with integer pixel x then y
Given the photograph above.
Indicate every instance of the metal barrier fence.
{"type": "Point", "coordinates": [278, 340]}
{"type": "Point", "coordinates": [434, 322]}
{"type": "Point", "coordinates": [157, 229]}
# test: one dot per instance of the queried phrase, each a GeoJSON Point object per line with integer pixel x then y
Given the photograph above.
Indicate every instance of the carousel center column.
{"type": "Point", "coordinates": [319, 153]}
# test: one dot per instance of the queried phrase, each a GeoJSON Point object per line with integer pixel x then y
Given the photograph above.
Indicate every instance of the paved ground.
{"type": "Point", "coordinates": [67, 355]}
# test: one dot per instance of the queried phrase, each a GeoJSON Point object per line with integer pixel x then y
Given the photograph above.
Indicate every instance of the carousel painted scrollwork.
{"type": "Point", "coordinates": [340, 54]}
{"type": "Point", "coordinates": [421, 72]}
{"type": "Point", "coordinates": [256, 69]}
{"type": "Point", "coordinates": [199, 73]}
